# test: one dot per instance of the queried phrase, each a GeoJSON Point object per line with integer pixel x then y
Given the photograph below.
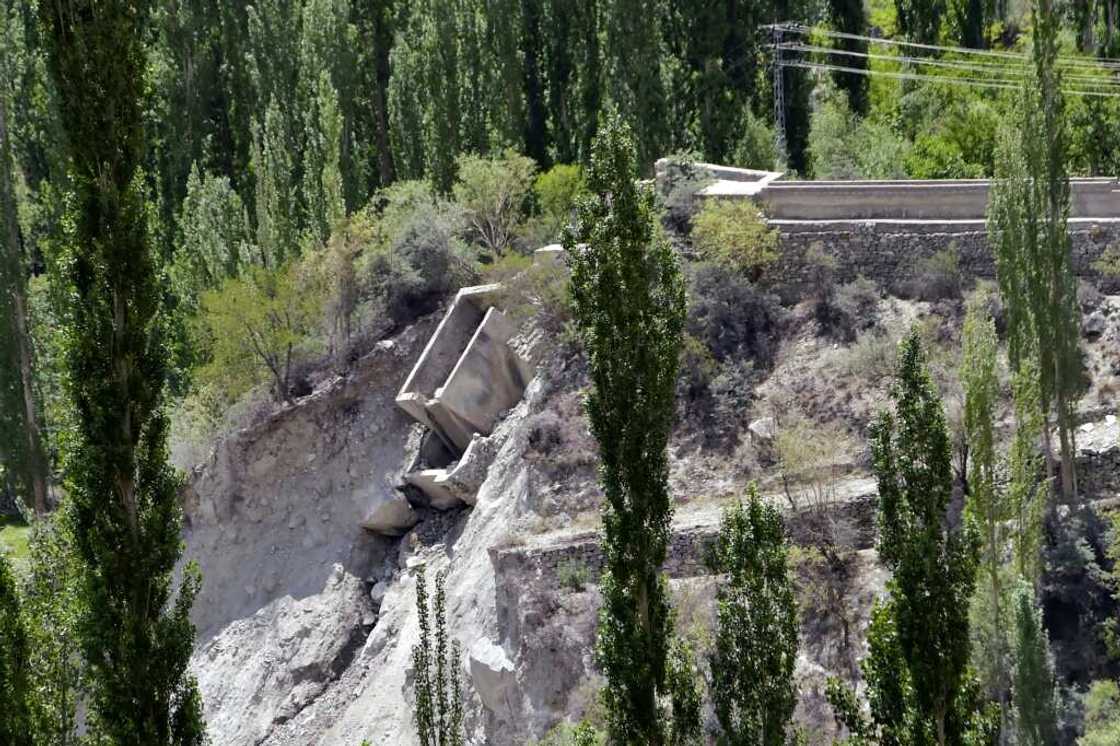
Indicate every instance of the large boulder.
{"type": "Point", "coordinates": [493, 675]}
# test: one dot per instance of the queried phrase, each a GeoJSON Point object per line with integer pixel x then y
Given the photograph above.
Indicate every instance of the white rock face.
{"type": "Point", "coordinates": [293, 646]}
{"type": "Point", "coordinates": [264, 670]}
{"type": "Point", "coordinates": [493, 676]}
{"type": "Point", "coordinates": [764, 428]}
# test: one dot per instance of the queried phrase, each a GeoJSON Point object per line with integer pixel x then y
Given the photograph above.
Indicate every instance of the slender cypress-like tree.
{"type": "Point", "coordinates": [633, 75]}
{"type": "Point", "coordinates": [123, 505]}
{"type": "Point", "coordinates": [439, 702]}
{"type": "Point", "coordinates": [21, 443]}
{"type": "Point", "coordinates": [629, 303]}
{"type": "Point", "coordinates": [756, 642]}
{"type": "Point", "coordinates": [933, 567]}
{"type": "Point", "coordinates": [1027, 220]}
{"type": "Point", "coordinates": [988, 504]}
{"type": "Point", "coordinates": [920, 20]}
{"type": "Point", "coordinates": [1027, 494]}
{"type": "Point", "coordinates": [15, 685]}
{"type": "Point", "coordinates": [848, 18]}
{"type": "Point", "coordinates": [1034, 674]}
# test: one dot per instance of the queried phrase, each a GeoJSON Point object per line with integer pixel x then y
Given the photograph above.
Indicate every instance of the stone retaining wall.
{"type": "Point", "coordinates": [892, 252]}
{"type": "Point", "coordinates": [688, 547]}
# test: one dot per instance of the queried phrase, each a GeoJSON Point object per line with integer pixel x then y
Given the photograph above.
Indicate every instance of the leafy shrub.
{"type": "Point", "coordinates": [533, 290]}
{"type": "Point", "coordinates": [697, 369]}
{"type": "Point", "coordinates": [841, 311]}
{"type": "Point", "coordinates": [416, 258]}
{"type": "Point", "coordinates": [679, 178]}
{"type": "Point", "coordinates": [871, 357]}
{"type": "Point", "coordinates": [334, 270]}
{"type": "Point", "coordinates": [937, 157]}
{"type": "Point", "coordinates": [849, 309]}
{"type": "Point", "coordinates": [573, 575]}
{"type": "Point", "coordinates": [1102, 715]}
{"type": "Point", "coordinates": [257, 327]}
{"type": "Point", "coordinates": [1108, 263]}
{"type": "Point", "coordinates": [809, 454]}
{"type": "Point", "coordinates": [844, 146]}
{"type": "Point", "coordinates": [733, 318]}
{"type": "Point", "coordinates": [493, 195]}
{"type": "Point", "coordinates": [756, 147]}
{"type": "Point", "coordinates": [735, 234]}
{"type": "Point", "coordinates": [573, 734]}
{"type": "Point", "coordinates": [938, 277]}
{"type": "Point", "coordinates": [556, 191]}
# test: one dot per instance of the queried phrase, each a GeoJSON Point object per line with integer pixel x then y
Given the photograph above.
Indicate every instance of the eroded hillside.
{"type": "Point", "coordinates": [307, 620]}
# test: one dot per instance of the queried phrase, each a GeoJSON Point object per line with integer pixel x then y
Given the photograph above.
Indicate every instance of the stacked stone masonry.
{"type": "Point", "coordinates": [687, 551]}
{"type": "Point", "coordinates": [892, 252]}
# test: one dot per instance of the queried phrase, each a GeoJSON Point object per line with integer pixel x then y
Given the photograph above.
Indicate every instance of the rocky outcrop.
{"type": "Point", "coordinates": [262, 671]}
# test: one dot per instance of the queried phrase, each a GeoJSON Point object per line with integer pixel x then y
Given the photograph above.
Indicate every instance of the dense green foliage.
{"type": "Point", "coordinates": [988, 504]}
{"type": "Point", "coordinates": [123, 502]}
{"type": "Point", "coordinates": [1028, 211]}
{"type": "Point", "coordinates": [23, 463]}
{"type": "Point", "coordinates": [1102, 715]}
{"type": "Point", "coordinates": [435, 662]}
{"type": "Point", "coordinates": [15, 684]}
{"type": "Point", "coordinates": [920, 687]}
{"type": "Point", "coordinates": [1035, 703]}
{"type": "Point", "coordinates": [734, 233]}
{"type": "Point", "coordinates": [212, 199]}
{"type": "Point", "coordinates": [755, 647]}
{"type": "Point", "coordinates": [629, 306]}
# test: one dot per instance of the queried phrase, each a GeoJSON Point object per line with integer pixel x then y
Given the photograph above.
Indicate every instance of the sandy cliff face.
{"type": "Point", "coordinates": [273, 518]}
{"type": "Point", "coordinates": [293, 648]}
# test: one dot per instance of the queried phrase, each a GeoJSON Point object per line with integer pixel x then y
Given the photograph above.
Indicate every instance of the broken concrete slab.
{"type": "Point", "coordinates": [444, 349]}
{"type": "Point", "coordinates": [488, 380]}
{"type": "Point", "coordinates": [391, 517]}
{"type": "Point", "coordinates": [493, 674]}
{"type": "Point", "coordinates": [432, 482]}
{"type": "Point", "coordinates": [553, 255]}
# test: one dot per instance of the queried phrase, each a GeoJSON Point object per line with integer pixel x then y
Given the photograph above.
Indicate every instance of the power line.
{"type": "Point", "coordinates": [1004, 72]}
{"type": "Point", "coordinates": [974, 82]}
{"type": "Point", "coordinates": [1109, 63]}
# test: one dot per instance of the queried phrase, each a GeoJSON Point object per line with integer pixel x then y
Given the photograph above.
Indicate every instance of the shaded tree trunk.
{"type": "Point", "coordinates": [34, 462]}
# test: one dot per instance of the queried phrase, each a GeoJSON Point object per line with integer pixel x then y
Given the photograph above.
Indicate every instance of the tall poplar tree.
{"type": "Point", "coordinates": [755, 649]}
{"type": "Point", "coordinates": [123, 507]}
{"type": "Point", "coordinates": [15, 676]}
{"type": "Point", "coordinates": [629, 306]}
{"type": "Point", "coordinates": [847, 17]}
{"type": "Point", "coordinates": [988, 503]}
{"type": "Point", "coordinates": [21, 444]}
{"type": "Point", "coordinates": [633, 75]}
{"type": "Point", "coordinates": [1034, 674]}
{"type": "Point", "coordinates": [1027, 217]}
{"type": "Point", "coordinates": [933, 566]}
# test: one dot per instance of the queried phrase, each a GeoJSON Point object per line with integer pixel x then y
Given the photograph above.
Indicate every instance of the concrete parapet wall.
{"type": "Point", "coordinates": [915, 200]}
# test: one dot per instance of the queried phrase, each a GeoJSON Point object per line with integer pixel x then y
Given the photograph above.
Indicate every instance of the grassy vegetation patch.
{"type": "Point", "coordinates": [14, 535]}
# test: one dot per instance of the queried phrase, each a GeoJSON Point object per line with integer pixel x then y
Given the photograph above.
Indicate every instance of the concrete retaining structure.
{"type": "Point", "coordinates": [685, 556]}
{"type": "Point", "coordinates": [933, 199]}
{"type": "Point", "coordinates": [467, 376]}
{"type": "Point", "coordinates": [891, 252]}
{"type": "Point", "coordinates": [884, 230]}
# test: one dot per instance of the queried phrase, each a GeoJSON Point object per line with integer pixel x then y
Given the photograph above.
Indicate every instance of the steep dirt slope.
{"type": "Point", "coordinates": [273, 519]}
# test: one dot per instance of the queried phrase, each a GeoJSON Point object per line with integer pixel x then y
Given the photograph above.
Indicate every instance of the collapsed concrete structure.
{"type": "Point", "coordinates": [467, 376]}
